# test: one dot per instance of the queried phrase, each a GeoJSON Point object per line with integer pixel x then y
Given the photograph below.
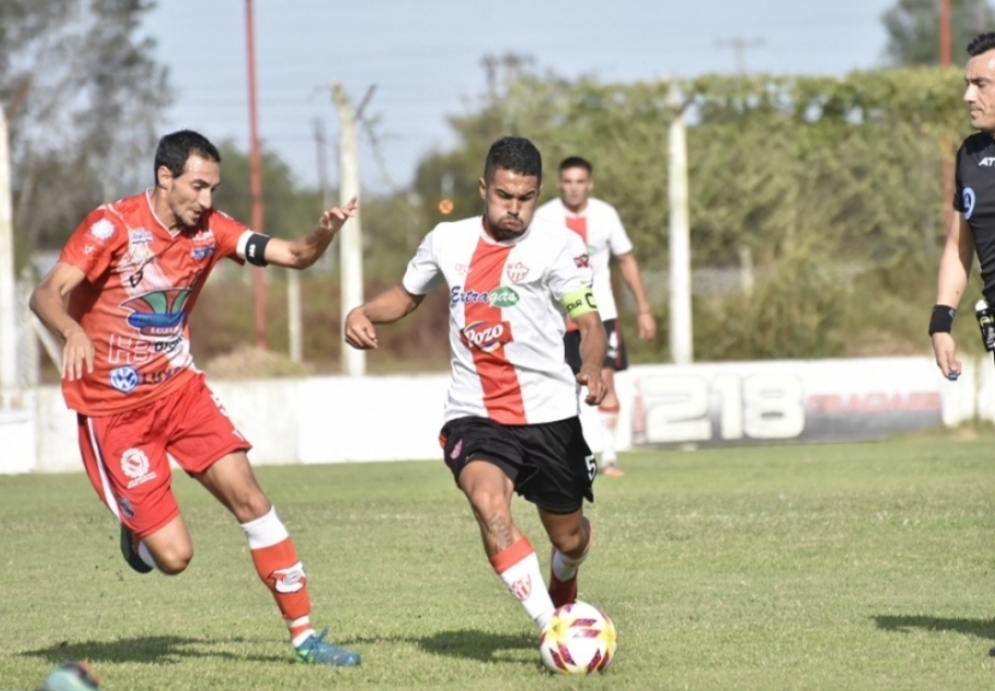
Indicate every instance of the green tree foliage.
{"type": "Point", "coordinates": [84, 98]}
{"type": "Point", "coordinates": [289, 210]}
{"type": "Point", "coordinates": [834, 184]}
{"type": "Point", "coordinates": [913, 29]}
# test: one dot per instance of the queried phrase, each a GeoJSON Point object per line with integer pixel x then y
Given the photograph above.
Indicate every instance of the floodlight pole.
{"type": "Point", "coordinates": [255, 176]}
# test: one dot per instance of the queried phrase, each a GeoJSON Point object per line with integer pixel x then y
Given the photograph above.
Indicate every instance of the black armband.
{"type": "Point", "coordinates": [942, 319]}
{"type": "Point", "coordinates": [255, 249]}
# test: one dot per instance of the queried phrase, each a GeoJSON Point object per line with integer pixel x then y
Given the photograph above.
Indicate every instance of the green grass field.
{"type": "Point", "coordinates": [865, 566]}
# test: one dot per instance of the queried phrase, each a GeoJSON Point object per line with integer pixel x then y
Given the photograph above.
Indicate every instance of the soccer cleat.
{"type": "Point", "coordinates": [130, 553]}
{"type": "Point", "coordinates": [561, 592]}
{"type": "Point", "coordinates": [70, 676]}
{"type": "Point", "coordinates": [314, 651]}
{"type": "Point", "coordinates": [612, 470]}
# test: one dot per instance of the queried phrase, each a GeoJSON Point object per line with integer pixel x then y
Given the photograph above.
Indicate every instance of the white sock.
{"type": "Point", "coordinates": [608, 417]}
{"type": "Point", "coordinates": [518, 567]}
{"type": "Point", "coordinates": [564, 567]}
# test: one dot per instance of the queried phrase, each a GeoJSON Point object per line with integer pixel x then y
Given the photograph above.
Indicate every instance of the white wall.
{"type": "Point", "coordinates": [340, 419]}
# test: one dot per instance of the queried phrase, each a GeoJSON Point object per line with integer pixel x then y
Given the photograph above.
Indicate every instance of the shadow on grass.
{"type": "Point", "coordinates": [465, 644]}
{"type": "Point", "coordinates": [982, 628]}
{"type": "Point", "coordinates": [149, 649]}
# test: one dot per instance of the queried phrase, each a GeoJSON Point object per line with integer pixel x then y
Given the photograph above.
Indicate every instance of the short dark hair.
{"type": "Point", "coordinates": [576, 162]}
{"type": "Point", "coordinates": [982, 43]}
{"type": "Point", "coordinates": [516, 154]}
{"type": "Point", "coordinates": [175, 148]}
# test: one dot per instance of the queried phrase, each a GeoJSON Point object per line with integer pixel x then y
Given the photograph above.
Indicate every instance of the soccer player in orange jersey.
{"type": "Point", "coordinates": [600, 228]}
{"type": "Point", "coordinates": [132, 271]}
{"type": "Point", "coordinates": [512, 420]}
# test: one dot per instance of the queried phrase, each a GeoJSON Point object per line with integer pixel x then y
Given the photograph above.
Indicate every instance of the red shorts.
{"type": "Point", "coordinates": [125, 454]}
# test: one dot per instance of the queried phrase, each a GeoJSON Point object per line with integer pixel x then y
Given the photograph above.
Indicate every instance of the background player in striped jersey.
{"type": "Point", "coordinates": [512, 413]}
{"type": "Point", "coordinates": [600, 228]}
{"type": "Point", "coordinates": [132, 271]}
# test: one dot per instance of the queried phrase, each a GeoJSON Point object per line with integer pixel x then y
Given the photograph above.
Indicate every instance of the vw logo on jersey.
{"type": "Point", "coordinates": [969, 199]}
{"type": "Point", "coordinates": [124, 379]}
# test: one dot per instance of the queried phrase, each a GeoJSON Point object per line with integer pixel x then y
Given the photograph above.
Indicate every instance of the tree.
{"type": "Point", "coordinates": [85, 99]}
{"type": "Point", "coordinates": [288, 210]}
{"type": "Point", "coordinates": [913, 29]}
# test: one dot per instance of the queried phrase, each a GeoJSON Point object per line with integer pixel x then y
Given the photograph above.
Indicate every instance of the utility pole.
{"type": "Point", "coordinates": [8, 290]}
{"type": "Point", "coordinates": [255, 176]}
{"type": "Point", "coordinates": [681, 333]}
{"type": "Point", "coordinates": [351, 242]}
{"type": "Point", "coordinates": [739, 47]}
{"type": "Point", "coordinates": [947, 160]}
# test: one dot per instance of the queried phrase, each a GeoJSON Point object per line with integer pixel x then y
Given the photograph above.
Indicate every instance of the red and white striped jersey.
{"type": "Point", "coordinates": [506, 317]}
{"type": "Point", "coordinates": [599, 226]}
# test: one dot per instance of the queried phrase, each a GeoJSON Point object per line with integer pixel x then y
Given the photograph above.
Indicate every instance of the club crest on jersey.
{"type": "Point", "coordinates": [969, 201]}
{"type": "Point", "coordinates": [583, 261]}
{"type": "Point", "coordinates": [159, 313]}
{"type": "Point", "coordinates": [102, 229]}
{"type": "Point", "coordinates": [517, 272]}
{"type": "Point", "coordinates": [486, 336]}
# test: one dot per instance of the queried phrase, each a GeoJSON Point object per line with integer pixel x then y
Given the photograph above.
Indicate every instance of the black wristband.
{"type": "Point", "coordinates": [942, 319]}
{"type": "Point", "coordinates": [255, 249]}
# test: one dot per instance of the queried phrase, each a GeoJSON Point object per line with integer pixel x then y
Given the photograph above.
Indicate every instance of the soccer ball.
{"type": "Point", "coordinates": [579, 639]}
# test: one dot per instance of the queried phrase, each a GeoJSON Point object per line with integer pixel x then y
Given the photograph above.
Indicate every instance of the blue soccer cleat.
{"type": "Point", "coordinates": [130, 553]}
{"type": "Point", "coordinates": [70, 676]}
{"type": "Point", "coordinates": [314, 651]}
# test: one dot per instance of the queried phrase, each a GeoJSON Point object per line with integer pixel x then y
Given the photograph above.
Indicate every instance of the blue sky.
{"type": "Point", "coordinates": [424, 57]}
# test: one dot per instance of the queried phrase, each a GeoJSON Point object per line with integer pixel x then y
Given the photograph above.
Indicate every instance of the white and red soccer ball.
{"type": "Point", "coordinates": [579, 639]}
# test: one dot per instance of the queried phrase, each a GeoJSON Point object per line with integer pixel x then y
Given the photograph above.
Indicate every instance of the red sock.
{"type": "Point", "coordinates": [279, 568]}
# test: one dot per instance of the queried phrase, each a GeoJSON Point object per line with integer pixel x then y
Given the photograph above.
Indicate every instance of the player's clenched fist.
{"type": "Point", "coordinates": [359, 331]}
{"type": "Point", "coordinates": [596, 388]}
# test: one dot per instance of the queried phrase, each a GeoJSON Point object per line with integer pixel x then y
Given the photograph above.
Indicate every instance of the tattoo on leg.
{"type": "Point", "coordinates": [500, 534]}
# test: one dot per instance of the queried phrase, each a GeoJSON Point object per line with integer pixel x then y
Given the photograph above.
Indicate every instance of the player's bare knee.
{"type": "Point", "coordinates": [173, 561]}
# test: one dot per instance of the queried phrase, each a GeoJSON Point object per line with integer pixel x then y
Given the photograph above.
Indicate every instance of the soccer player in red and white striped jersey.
{"type": "Point", "coordinates": [512, 412]}
{"type": "Point", "coordinates": [599, 226]}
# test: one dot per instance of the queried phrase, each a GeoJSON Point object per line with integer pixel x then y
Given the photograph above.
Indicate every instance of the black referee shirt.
{"type": "Point", "coordinates": [975, 198]}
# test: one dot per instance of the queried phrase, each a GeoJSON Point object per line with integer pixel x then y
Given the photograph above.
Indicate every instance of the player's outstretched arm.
{"type": "Point", "coordinates": [593, 349]}
{"type": "Point", "coordinates": [629, 267]}
{"type": "Point", "coordinates": [389, 306]}
{"type": "Point", "coordinates": [47, 301]}
{"type": "Point", "coordinates": [303, 252]}
{"type": "Point", "coordinates": [955, 267]}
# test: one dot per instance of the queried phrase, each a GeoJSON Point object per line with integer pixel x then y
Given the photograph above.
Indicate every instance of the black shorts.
{"type": "Point", "coordinates": [550, 464]}
{"type": "Point", "coordinates": [616, 357]}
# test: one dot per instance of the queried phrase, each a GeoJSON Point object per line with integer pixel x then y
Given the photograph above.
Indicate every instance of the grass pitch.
{"type": "Point", "coordinates": [818, 567]}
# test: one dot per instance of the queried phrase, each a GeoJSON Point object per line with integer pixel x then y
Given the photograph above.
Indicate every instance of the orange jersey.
{"type": "Point", "coordinates": [142, 281]}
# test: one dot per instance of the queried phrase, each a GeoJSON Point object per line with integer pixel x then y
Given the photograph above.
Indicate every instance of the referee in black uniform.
{"type": "Point", "coordinates": [973, 226]}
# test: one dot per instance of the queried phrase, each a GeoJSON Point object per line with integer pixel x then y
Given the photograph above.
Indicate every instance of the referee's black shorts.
{"type": "Point", "coordinates": [550, 463]}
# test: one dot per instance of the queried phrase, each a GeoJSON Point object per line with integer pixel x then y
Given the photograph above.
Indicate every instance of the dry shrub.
{"type": "Point", "coordinates": [248, 362]}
